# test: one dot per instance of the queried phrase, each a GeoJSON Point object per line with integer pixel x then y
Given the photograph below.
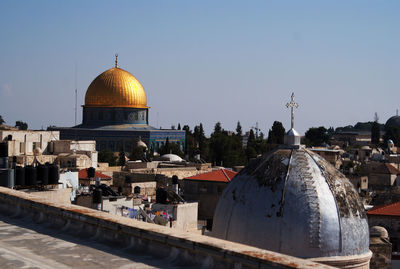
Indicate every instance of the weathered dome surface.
{"type": "Point", "coordinates": [171, 158]}
{"type": "Point", "coordinates": [116, 88]}
{"type": "Point", "coordinates": [393, 121]}
{"type": "Point", "coordinates": [378, 231]}
{"type": "Point", "coordinates": [294, 202]}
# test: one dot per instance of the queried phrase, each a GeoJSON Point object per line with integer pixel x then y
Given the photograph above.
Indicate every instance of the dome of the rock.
{"type": "Point", "coordinates": [115, 88]}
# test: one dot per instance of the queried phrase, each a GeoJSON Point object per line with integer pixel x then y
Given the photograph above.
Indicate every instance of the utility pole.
{"type": "Point", "coordinates": [76, 96]}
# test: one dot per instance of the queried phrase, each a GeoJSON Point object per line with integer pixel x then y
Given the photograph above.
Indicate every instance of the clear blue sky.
{"type": "Point", "coordinates": [205, 61]}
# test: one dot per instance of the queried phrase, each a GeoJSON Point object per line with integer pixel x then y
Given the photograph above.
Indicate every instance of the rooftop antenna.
{"type": "Point", "coordinates": [116, 60]}
{"type": "Point", "coordinates": [292, 106]}
{"type": "Point", "coordinates": [76, 95]}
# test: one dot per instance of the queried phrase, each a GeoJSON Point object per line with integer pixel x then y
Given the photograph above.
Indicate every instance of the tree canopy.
{"type": "Point", "coordinates": [170, 148]}
{"type": "Point", "coordinates": [121, 157]}
{"type": "Point", "coordinates": [276, 134]}
{"type": "Point", "coordinates": [21, 125]}
{"type": "Point", "coordinates": [393, 133]}
{"type": "Point", "coordinates": [316, 136]}
{"type": "Point", "coordinates": [225, 149]}
{"type": "Point", "coordinates": [375, 131]}
{"type": "Point", "coordinates": [239, 131]}
{"type": "Point", "coordinates": [107, 156]}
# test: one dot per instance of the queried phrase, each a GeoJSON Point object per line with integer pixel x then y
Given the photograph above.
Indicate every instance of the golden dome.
{"type": "Point", "coordinates": [116, 88]}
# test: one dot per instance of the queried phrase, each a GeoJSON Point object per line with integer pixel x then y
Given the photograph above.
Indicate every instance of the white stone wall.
{"type": "Point", "coordinates": [185, 215]}
{"type": "Point", "coordinates": [68, 146]}
{"type": "Point", "coordinates": [24, 142]}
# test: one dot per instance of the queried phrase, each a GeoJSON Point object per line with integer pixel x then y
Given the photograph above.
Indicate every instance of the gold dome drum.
{"type": "Point", "coordinates": [116, 88]}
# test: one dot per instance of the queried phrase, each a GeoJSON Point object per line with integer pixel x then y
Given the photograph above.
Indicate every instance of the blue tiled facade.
{"type": "Point", "coordinates": [122, 136]}
{"type": "Point", "coordinates": [103, 116]}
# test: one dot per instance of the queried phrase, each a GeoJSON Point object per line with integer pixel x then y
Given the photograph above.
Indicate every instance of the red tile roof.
{"type": "Point", "coordinates": [221, 175]}
{"type": "Point", "coordinates": [83, 175]}
{"type": "Point", "coordinates": [386, 210]}
{"type": "Point", "coordinates": [392, 169]}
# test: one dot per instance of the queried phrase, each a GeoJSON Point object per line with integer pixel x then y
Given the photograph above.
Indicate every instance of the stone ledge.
{"type": "Point", "coordinates": [159, 240]}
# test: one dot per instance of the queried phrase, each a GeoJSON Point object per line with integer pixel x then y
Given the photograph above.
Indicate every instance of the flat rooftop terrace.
{"type": "Point", "coordinates": [36, 233]}
{"type": "Point", "coordinates": [25, 244]}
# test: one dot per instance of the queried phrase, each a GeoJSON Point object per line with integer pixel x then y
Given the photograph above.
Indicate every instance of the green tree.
{"type": "Point", "coordinates": [239, 131]}
{"type": "Point", "coordinates": [316, 136]}
{"type": "Point", "coordinates": [251, 153]}
{"type": "Point", "coordinates": [21, 125]}
{"type": "Point", "coordinates": [166, 148]}
{"type": "Point", "coordinates": [200, 140]}
{"type": "Point", "coordinates": [225, 149]}
{"type": "Point", "coordinates": [392, 133]}
{"type": "Point", "coordinates": [251, 140]}
{"type": "Point", "coordinates": [217, 128]}
{"type": "Point", "coordinates": [179, 126]}
{"type": "Point", "coordinates": [375, 131]}
{"type": "Point", "coordinates": [170, 148]}
{"type": "Point", "coordinates": [107, 156]}
{"type": "Point", "coordinates": [276, 134]}
{"type": "Point", "coordinates": [331, 131]}
{"type": "Point", "coordinates": [190, 142]}
{"type": "Point", "coordinates": [1, 120]}
{"type": "Point", "coordinates": [255, 146]}
{"type": "Point", "coordinates": [121, 157]}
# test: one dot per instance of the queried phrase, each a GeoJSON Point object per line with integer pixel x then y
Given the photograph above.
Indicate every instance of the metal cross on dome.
{"type": "Point", "coordinates": [292, 105]}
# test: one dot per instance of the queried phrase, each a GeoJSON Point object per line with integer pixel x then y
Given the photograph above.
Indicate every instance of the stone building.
{"type": "Point", "coordinates": [86, 181]}
{"type": "Point", "coordinates": [115, 115]}
{"type": "Point", "coordinates": [387, 216]}
{"type": "Point", "coordinates": [207, 188]}
{"type": "Point", "coordinates": [46, 146]}
{"type": "Point", "coordinates": [25, 142]}
{"type": "Point", "coordinates": [333, 156]}
{"type": "Point", "coordinates": [382, 175]}
{"type": "Point", "coordinates": [351, 138]}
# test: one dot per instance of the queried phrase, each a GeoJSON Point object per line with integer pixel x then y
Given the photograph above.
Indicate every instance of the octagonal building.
{"type": "Point", "coordinates": [115, 114]}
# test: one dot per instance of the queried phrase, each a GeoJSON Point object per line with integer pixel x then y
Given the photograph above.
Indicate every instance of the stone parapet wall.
{"type": "Point", "coordinates": [157, 240]}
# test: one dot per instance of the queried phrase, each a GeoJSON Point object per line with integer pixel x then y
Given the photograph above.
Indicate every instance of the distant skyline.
{"type": "Point", "coordinates": [206, 61]}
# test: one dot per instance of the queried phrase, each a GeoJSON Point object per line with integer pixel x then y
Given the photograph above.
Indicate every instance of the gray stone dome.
{"type": "Point", "coordinates": [379, 231]}
{"type": "Point", "coordinates": [393, 121]}
{"type": "Point", "coordinates": [294, 202]}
